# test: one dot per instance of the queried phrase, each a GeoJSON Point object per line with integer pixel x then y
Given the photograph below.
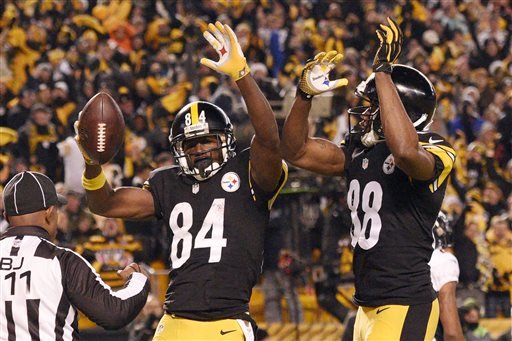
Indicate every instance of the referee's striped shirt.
{"type": "Point", "coordinates": [42, 286]}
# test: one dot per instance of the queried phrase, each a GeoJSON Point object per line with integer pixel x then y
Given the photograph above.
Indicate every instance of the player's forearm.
{"type": "Point", "coordinates": [260, 113]}
{"type": "Point", "coordinates": [401, 136]}
{"type": "Point", "coordinates": [448, 313]}
{"type": "Point", "coordinates": [110, 309]}
{"type": "Point", "coordinates": [98, 196]}
{"type": "Point", "coordinates": [295, 130]}
{"type": "Point", "coordinates": [123, 202]}
{"type": "Point", "coordinates": [452, 329]}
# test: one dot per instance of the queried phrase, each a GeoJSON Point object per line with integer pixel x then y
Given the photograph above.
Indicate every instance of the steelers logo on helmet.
{"type": "Point", "coordinates": [202, 139]}
{"type": "Point", "coordinates": [416, 93]}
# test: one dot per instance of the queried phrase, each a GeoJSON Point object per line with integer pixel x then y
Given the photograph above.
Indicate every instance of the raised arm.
{"type": "Point", "coordinates": [399, 132]}
{"type": "Point", "coordinates": [314, 154]}
{"type": "Point", "coordinates": [266, 162]}
{"type": "Point", "coordinates": [124, 202]}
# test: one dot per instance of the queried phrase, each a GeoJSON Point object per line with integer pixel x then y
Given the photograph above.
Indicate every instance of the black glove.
{"type": "Point", "coordinates": [390, 47]}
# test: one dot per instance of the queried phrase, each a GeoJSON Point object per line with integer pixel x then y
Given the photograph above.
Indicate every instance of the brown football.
{"type": "Point", "coordinates": [101, 128]}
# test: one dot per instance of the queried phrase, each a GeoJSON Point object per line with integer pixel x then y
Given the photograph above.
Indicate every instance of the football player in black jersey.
{"type": "Point", "coordinates": [216, 203]}
{"type": "Point", "coordinates": [397, 175]}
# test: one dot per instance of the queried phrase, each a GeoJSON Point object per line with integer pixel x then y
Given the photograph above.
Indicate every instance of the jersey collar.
{"type": "Point", "coordinates": [36, 231]}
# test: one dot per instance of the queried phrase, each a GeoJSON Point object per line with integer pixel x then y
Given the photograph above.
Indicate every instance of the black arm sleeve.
{"type": "Point", "coordinates": [87, 292]}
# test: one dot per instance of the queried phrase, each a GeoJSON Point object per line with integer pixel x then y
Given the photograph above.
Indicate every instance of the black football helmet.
{"type": "Point", "coordinates": [195, 120]}
{"type": "Point", "coordinates": [442, 231]}
{"type": "Point", "coordinates": [416, 92]}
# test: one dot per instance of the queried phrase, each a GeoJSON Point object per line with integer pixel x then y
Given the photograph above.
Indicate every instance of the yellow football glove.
{"type": "Point", "coordinates": [391, 38]}
{"type": "Point", "coordinates": [232, 60]}
{"type": "Point", "coordinates": [315, 75]}
{"type": "Point", "coordinates": [86, 156]}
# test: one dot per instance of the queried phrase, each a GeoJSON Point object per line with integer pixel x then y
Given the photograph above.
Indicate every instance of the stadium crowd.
{"type": "Point", "coordinates": [55, 55]}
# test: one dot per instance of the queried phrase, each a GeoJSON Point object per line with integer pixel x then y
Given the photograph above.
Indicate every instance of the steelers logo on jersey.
{"type": "Point", "coordinates": [230, 182]}
{"type": "Point", "coordinates": [389, 165]}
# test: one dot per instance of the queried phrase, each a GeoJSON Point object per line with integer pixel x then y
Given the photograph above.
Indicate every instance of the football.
{"type": "Point", "coordinates": [101, 128]}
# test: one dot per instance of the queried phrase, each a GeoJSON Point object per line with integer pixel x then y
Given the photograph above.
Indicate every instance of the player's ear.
{"type": "Point", "coordinates": [49, 212]}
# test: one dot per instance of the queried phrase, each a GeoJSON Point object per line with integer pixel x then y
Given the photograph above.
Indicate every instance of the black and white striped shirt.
{"type": "Point", "coordinates": [42, 286]}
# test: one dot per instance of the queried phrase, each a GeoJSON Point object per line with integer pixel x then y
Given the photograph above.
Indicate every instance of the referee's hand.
{"type": "Point", "coordinates": [131, 268]}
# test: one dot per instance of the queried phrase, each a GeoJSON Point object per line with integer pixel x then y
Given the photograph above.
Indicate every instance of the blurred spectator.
{"type": "Point", "coordinates": [278, 282]}
{"type": "Point", "coordinates": [467, 256]}
{"type": "Point", "coordinates": [64, 235]}
{"type": "Point", "coordinates": [64, 107]}
{"type": "Point", "coordinates": [333, 270]}
{"type": "Point", "coordinates": [85, 229]}
{"type": "Point", "coordinates": [37, 143]}
{"type": "Point", "coordinates": [473, 331]}
{"type": "Point", "coordinates": [111, 251]}
{"type": "Point", "coordinates": [499, 236]}
{"type": "Point", "coordinates": [74, 209]}
{"type": "Point", "coordinates": [145, 324]}
{"type": "Point", "coordinates": [469, 122]}
{"type": "Point", "coordinates": [492, 199]}
{"type": "Point", "coordinates": [73, 164]}
{"type": "Point", "coordinates": [488, 47]}
{"type": "Point", "coordinates": [19, 114]}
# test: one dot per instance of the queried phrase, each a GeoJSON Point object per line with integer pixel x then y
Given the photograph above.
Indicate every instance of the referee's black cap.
{"type": "Point", "coordinates": [29, 192]}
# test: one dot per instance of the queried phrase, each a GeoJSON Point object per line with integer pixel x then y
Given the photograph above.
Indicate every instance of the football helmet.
{"type": "Point", "coordinates": [198, 120]}
{"type": "Point", "coordinates": [442, 231]}
{"type": "Point", "coordinates": [416, 92]}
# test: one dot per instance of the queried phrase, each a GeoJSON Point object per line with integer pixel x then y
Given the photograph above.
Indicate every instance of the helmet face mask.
{"type": "Point", "coordinates": [369, 129]}
{"type": "Point", "coordinates": [416, 93]}
{"type": "Point", "coordinates": [204, 124]}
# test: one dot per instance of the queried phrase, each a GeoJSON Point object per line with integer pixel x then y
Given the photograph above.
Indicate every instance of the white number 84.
{"type": "Point", "coordinates": [214, 221]}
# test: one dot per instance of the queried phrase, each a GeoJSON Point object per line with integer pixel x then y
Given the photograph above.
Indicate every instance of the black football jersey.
{"type": "Point", "coordinates": [217, 229]}
{"type": "Point", "coordinates": [392, 218]}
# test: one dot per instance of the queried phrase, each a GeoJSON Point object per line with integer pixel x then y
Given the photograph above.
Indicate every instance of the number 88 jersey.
{"type": "Point", "coordinates": [392, 218]}
{"type": "Point", "coordinates": [216, 229]}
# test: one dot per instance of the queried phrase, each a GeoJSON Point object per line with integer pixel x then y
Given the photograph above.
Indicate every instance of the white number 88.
{"type": "Point", "coordinates": [371, 210]}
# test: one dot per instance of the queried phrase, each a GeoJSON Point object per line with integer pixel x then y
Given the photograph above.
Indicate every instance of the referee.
{"type": "Point", "coordinates": [42, 285]}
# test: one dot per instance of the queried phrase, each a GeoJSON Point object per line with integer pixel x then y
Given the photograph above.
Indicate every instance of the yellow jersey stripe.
{"type": "Point", "coordinates": [447, 156]}
{"type": "Point", "coordinates": [274, 197]}
{"type": "Point", "coordinates": [194, 113]}
{"type": "Point", "coordinates": [250, 183]}
{"type": "Point", "coordinates": [285, 170]}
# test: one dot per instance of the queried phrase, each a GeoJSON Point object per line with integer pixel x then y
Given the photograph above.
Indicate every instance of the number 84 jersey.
{"type": "Point", "coordinates": [216, 230]}
{"type": "Point", "coordinates": [392, 219]}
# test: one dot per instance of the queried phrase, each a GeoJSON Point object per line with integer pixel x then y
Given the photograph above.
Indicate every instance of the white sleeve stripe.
{"type": "Point", "coordinates": [134, 287]}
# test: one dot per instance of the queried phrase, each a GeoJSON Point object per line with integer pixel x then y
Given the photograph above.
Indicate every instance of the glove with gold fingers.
{"type": "Point", "coordinates": [231, 58]}
{"type": "Point", "coordinates": [391, 38]}
{"type": "Point", "coordinates": [315, 76]}
{"type": "Point", "coordinates": [86, 156]}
